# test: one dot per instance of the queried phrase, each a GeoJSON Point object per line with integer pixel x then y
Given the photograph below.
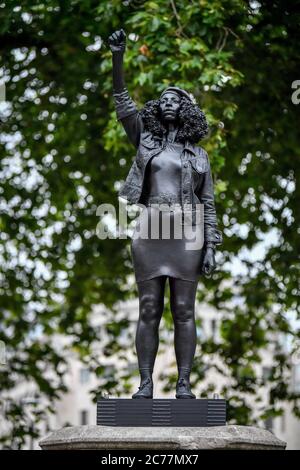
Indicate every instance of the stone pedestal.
{"type": "Point", "coordinates": [161, 438]}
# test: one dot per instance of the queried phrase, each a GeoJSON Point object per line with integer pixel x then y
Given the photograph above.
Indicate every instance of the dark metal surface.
{"type": "Point", "coordinates": [161, 412]}
{"type": "Point", "coordinates": [168, 164]}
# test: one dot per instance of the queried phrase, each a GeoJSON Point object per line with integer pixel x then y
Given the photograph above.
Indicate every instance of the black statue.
{"type": "Point", "coordinates": [169, 169]}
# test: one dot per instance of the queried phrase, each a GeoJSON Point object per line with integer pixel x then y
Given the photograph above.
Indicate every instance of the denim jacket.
{"type": "Point", "coordinates": [196, 178]}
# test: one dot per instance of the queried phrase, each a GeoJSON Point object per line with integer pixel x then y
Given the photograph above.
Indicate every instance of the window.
{"type": "Point", "coordinates": [283, 422]}
{"type": "Point", "coordinates": [132, 367]}
{"type": "Point", "coordinates": [269, 424]}
{"type": "Point", "coordinates": [199, 332]}
{"type": "Point", "coordinates": [84, 376]}
{"type": "Point", "coordinates": [266, 373]}
{"type": "Point", "coordinates": [296, 378]}
{"type": "Point", "coordinates": [213, 328]}
{"type": "Point", "coordinates": [84, 417]}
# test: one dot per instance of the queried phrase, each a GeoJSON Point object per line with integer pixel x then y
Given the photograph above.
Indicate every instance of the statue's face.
{"type": "Point", "coordinates": [169, 106]}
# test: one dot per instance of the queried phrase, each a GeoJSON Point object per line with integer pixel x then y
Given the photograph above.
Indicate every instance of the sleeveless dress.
{"type": "Point", "coordinates": [161, 244]}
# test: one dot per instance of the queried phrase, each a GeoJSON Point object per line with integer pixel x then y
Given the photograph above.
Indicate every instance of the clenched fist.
{"type": "Point", "coordinates": [209, 263]}
{"type": "Point", "coordinates": [117, 41]}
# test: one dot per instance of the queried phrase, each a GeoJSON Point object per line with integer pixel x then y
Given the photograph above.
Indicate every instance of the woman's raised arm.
{"type": "Point", "coordinates": [126, 109]}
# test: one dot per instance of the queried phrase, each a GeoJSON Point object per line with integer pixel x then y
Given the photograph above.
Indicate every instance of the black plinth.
{"type": "Point", "coordinates": [161, 412]}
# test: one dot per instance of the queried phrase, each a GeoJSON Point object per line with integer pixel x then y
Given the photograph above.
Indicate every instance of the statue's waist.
{"type": "Point", "coordinates": [168, 201]}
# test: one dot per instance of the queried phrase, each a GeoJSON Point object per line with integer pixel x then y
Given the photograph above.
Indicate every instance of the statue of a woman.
{"type": "Point", "coordinates": [169, 171]}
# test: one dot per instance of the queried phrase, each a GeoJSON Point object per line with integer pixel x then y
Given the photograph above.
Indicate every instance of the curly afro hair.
{"type": "Point", "coordinates": [192, 121]}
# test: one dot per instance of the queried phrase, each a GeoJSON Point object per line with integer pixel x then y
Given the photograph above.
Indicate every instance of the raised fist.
{"type": "Point", "coordinates": [117, 41]}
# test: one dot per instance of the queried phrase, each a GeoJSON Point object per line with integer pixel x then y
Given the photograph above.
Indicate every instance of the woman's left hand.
{"type": "Point", "coordinates": [209, 263]}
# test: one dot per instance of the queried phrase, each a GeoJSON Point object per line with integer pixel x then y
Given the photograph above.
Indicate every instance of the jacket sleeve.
{"type": "Point", "coordinates": [205, 193]}
{"type": "Point", "coordinates": [129, 116]}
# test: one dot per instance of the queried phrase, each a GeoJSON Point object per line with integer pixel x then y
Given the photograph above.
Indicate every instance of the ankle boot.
{"type": "Point", "coordinates": [183, 389]}
{"type": "Point", "coordinates": [145, 389]}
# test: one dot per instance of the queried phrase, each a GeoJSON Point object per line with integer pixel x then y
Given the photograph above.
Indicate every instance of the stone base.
{"type": "Point", "coordinates": [164, 438]}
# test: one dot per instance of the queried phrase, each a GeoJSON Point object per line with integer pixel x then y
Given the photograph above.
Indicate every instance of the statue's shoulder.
{"type": "Point", "coordinates": [146, 135]}
{"type": "Point", "coordinates": [149, 140]}
{"type": "Point", "coordinates": [200, 161]}
{"type": "Point", "coordinates": [201, 152]}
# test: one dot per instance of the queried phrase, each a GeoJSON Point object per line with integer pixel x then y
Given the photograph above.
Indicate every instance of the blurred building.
{"type": "Point", "coordinates": [76, 407]}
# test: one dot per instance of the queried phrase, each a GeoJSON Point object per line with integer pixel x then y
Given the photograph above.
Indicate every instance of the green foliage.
{"type": "Point", "coordinates": [62, 152]}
